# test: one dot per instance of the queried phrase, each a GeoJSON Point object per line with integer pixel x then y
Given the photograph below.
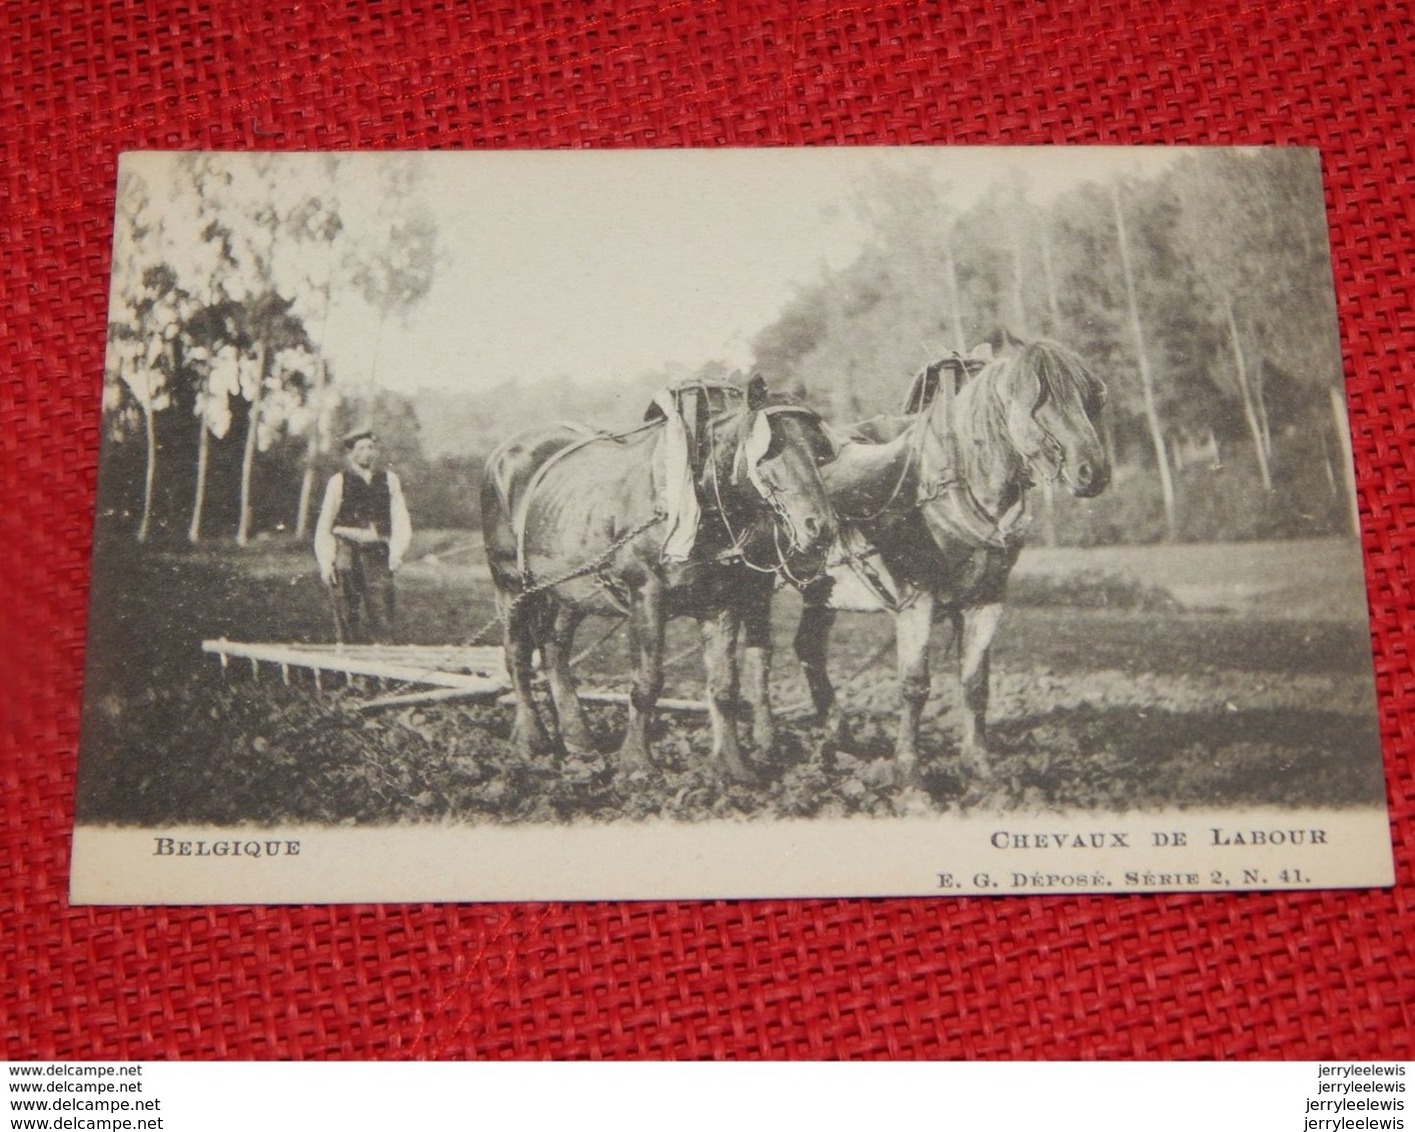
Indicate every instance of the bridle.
{"type": "Point", "coordinates": [745, 466]}
{"type": "Point", "coordinates": [946, 491]}
{"type": "Point", "coordinates": [928, 489]}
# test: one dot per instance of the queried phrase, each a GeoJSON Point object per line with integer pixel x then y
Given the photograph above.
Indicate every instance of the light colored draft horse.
{"type": "Point", "coordinates": [931, 506]}
{"type": "Point", "coordinates": [577, 522]}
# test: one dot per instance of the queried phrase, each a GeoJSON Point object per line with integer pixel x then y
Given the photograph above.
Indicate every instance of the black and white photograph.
{"type": "Point", "coordinates": [725, 523]}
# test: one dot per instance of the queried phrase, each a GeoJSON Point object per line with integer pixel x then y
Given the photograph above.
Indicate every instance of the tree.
{"type": "Point", "coordinates": [398, 250]}
{"type": "Point", "coordinates": [1220, 232]}
{"type": "Point", "coordinates": [1147, 380]}
{"type": "Point", "coordinates": [853, 338]}
{"type": "Point", "coordinates": [316, 222]}
{"type": "Point", "coordinates": [214, 355]}
{"type": "Point", "coordinates": [147, 308]}
{"type": "Point", "coordinates": [243, 206]}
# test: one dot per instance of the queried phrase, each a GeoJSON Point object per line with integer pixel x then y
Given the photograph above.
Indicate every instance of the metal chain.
{"type": "Point", "coordinates": [570, 575]}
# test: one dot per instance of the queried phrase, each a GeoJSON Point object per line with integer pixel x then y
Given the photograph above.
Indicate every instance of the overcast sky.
{"type": "Point", "coordinates": [601, 265]}
{"type": "Point", "coordinates": [604, 264]}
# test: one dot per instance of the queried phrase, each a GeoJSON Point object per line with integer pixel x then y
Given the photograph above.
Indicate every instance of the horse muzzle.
{"type": "Point", "coordinates": [1086, 478]}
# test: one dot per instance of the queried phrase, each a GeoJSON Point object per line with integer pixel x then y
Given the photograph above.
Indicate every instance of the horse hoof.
{"type": "Point", "coordinates": [909, 779]}
{"type": "Point", "coordinates": [630, 759]}
{"type": "Point", "coordinates": [530, 743]}
{"type": "Point", "coordinates": [837, 730]}
{"type": "Point", "coordinates": [740, 775]}
{"type": "Point", "coordinates": [913, 802]}
{"type": "Point", "coordinates": [764, 736]}
{"type": "Point", "coordinates": [977, 763]}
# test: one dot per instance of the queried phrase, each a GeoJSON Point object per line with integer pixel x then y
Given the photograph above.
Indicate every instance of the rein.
{"type": "Point", "coordinates": [524, 510]}
{"type": "Point", "coordinates": [736, 550]}
{"type": "Point", "coordinates": [963, 512]}
{"type": "Point", "coordinates": [769, 494]}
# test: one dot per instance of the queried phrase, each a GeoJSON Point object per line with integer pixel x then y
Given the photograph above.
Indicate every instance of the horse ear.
{"type": "Point", "coordinates": [1003, 341]}
{"type": "Point", "coordinates": [756, 393]}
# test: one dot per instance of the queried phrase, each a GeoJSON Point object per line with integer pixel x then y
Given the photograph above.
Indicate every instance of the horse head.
{"type": "Point", "coordinates": [990, 425]}
{"type": "Point", "coordinates": [766, 465]}
{"type": "Point", "coordinates": [1051, 403]}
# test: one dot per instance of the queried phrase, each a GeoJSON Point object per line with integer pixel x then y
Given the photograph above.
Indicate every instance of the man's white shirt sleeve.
{"type": "Point", "coordinates": [400, 537]}
{"type": "Point", "coordinates": [324, 541]}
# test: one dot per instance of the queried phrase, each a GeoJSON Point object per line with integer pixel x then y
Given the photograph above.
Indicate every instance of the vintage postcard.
{"type": "Point", "coordinates": [850, 522]}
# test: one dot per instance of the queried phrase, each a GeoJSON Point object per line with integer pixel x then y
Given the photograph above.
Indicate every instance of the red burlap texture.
{"type": "Point", "coordinates": [1255, 976]}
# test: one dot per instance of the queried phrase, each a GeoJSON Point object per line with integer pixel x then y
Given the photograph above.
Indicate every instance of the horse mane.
{"type": "Point", "coordinates": [981, 417]}
{"type": "Point", "coordinates": [929, 380]}
{"type": "Point", "coordinates": [720, 391]}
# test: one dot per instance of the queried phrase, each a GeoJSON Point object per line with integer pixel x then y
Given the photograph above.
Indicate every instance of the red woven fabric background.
{"type": "Point", "coordinates": [1254, 976]}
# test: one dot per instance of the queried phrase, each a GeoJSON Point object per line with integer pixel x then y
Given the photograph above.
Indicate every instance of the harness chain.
{"type": "Point", "coordinates": [570, 575]}
{"type": "Point", "coordinates": [975, 523]}
{"type": "Point", "coordinates": [735, 551]}
{"type": "Point", "coordinates": [738, 550]}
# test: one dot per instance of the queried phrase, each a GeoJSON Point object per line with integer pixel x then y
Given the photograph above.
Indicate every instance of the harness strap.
{"type": "Point", "coordinates": [967, 519]}
{"type": "Point", "coordinates": [518, 523]}
{"type": "Point", "coordinates": [962, 513]}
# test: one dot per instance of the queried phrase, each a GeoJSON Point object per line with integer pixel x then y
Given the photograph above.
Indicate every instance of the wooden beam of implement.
{"type": "Point", "coordinates": [414, 665]}
{"type": "Point", "coordinates": [589, 695]}
{"type": "Point", "coordinates": [663, 703]}
{"type": "Point", "coordinates": [362, 663]}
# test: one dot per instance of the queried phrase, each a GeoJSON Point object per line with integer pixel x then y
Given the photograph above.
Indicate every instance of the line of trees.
{"type": "Point", "coordinates": [225, 273]}
{"type": "Point", "coordinates": [1202, 295]}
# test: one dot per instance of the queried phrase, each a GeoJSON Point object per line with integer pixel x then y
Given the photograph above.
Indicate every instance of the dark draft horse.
{"type": "Point", "coordinates": [931, 507]}
{"type": "Point", "coordinates": [575, 523]}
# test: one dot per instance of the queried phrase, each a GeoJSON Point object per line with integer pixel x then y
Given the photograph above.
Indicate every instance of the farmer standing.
{"type": "Point", "coordinates": [360, 539]}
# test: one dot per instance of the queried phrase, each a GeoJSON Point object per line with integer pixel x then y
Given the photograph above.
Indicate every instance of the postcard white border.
{"type": "Point", "coordinates": [1002, 854]}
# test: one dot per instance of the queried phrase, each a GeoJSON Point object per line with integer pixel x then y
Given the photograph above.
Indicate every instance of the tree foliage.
{"type": "Point", "coordinates": [216, 364]}
{"type": "Point", "coordinates": [1219, 352]}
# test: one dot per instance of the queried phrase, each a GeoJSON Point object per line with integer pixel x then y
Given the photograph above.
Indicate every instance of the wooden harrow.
{"type": "Point", "coordinates": [439, 672]}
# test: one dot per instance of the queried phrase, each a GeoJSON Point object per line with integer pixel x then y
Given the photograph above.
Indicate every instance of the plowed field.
{"type": "Point", "coordinates": [1114, 687]}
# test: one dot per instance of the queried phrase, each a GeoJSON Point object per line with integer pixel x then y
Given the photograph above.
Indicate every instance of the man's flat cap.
{"type": "Point", "coordinates": [354, 435]}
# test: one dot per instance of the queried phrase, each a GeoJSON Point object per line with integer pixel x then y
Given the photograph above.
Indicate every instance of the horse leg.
{"type": "Point", "coordinates": [756, 623]}
{"type": "Point", "coordinates": [812, 645]}
{"type": "Point", "coordinates": [912, 626]}
{"type": "Point", "coordinates": [528, 734]}
{"type": "Point", "coordinates": [979, 627]}
{"type": "Point", "coordinates": [720, 659]}
{"type": "Point", "coordinates": [646, 645]}
{"type": "Point", "coordinates": [574, 732]}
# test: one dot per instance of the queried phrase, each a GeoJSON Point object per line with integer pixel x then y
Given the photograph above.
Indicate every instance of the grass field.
{"type": "Point", "coordinates": [1123, 678]}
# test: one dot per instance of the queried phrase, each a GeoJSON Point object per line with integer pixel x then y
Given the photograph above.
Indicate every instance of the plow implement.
{"type": "Point", "coordinates": [427, 673]}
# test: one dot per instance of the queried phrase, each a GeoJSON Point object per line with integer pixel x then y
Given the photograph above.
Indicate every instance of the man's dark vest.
{"type": "Point", "coordinates": [366, 503]}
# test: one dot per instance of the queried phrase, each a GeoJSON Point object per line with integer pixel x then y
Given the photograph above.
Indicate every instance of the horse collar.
{"type": "Point", "coordinates": [958, 509]}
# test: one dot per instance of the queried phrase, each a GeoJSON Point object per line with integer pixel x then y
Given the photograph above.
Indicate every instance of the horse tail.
{"type": "Point", "coordinates": [498, 533]}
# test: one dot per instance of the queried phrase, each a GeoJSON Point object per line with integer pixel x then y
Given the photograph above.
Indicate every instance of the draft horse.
{"type": "Point", "coordinates": [579, 522]}
{"type": "Point", "coordinates": [932, 506]}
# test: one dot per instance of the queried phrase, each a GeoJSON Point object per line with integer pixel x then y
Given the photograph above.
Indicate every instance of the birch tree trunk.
{"type": "Point", "coordinates": [1049, 274]}
{"type": "Point", "coordinates": [199, 495]}
{"type": "Point", "coordinates": [1250, 409]}
{"type": "Point", "coordinates": [150, 472]}
{"type": "Point", "coordinates": [1348, 463]}
{"type": "Point", "coordinates": [302, 518]}
{"type": "Point", "coordinates": [1019, 304]}
{"type": "Point", "coordinates": [955, 303]}
{"type": "Point", "coordinates": [243, 531]}
{"type": "Point", "coordinates": [1147, 384]}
